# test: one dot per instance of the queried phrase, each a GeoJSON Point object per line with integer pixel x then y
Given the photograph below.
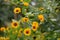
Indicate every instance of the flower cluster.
{"type": "Point", "coordinates": [31, 22]}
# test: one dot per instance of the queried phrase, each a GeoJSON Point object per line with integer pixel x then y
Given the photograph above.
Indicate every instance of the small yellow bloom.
{"type": "Point", "coordinates": [7, 38]}
{"type": "Point", "coordinates": [2, 28]}
{"type": "Point", "coordinates": [41, 17]}
{"type": "Point", "coordinates": [58, 38]}
{"type": "Point", "coordinates": [26, 4]}
{"type": "Point", "coordinates": [2, 38]}
{"type": "Point", "coordinates": [34, 26]}
{"type": "Point", "coordinates": [21, 0]}
{"type": "Point", "coordinates": [42, 36]}
{"type": "Point", "coordinates": [25, 19]}
{"type": "Point", "coordinates": [41, 8]}
{"type": "Point", "coordinates": [17, 10]}
{"type": "Point", "coordinates": [6, 0]}
{"type": "Point", "coordinates": [20, 32]}
{"type": "Point", "coordinates": [14, 24]}
{"type": "Point", "coordinates": [57, 10]}
{"type": "Point", "coordinates": [27, 32]}
{"type": "Point", "coordinates": [15, 32]}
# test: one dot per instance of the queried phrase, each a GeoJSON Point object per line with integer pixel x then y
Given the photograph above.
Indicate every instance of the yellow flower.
{"type": "Point", "coordinates": [17, 10]}
{"type": "Point", "coordinates": [15, 32]}
{"type": "Point", "coordinates": [41, 17]}
{"type": "Point", "coordinates": [26, 39]}
{"type": "Point", "coordinates": [41, 8]}
{"type": "Point", "coordinates": [14, 24]}
{"type": "Point", "coordinates": [27, 31]}
{"type": "Point", "coordinates": [57, 10]}
{"type": "Point", "coordinates": [7, 38]}
{"type": "Point", "coordinates": [26, 4]}
{"type": "Point", "coordinates": [20, 32]}
{"type": "Point", "coordinates": [21, 0]}
{"type": "Point", "coordinates": [7, 28]}
{"type": "Point", "coordinates": [58, 38]}
{"type": "Point", "coordinates": [2, 38]}
{"type": "Point", "coordinates": [42, 36]}
{"type": "Point", "coordinates": [6, 0]}
{"type": "Point", "coordinates": [34, 26]}
{"type": "Point", "coordinates": [2, 28]}
{"type": "Point", "coordinates": [25, 19]}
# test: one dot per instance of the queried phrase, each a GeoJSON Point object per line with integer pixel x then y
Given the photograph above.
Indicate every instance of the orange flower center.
{"type": "Point", "coordinates": [27, 32]}
{"type": "Point", "coordinates": [40, 18]}
{"type": "Point", "coordinates": [21, 32]}
{"type": "Point", "coordinates": [17, 10]}
{"type": "Point", "coordinates": [33, 27]}
{"type": "Point", "coordinates": [25, 19]}
{"type": "Point", "coordinates": [15, 24]}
